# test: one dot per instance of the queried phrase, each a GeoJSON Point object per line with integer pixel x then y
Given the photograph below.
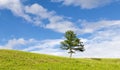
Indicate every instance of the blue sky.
{"type": "Point", "coordinates": [39, 25]}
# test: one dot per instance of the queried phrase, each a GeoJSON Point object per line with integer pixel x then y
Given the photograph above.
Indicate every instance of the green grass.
{"type": "Point", "coordinates": [17, 60]}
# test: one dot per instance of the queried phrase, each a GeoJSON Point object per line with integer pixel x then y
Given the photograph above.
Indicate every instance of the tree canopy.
{"type": "Point", "coordinates": [72, 43]}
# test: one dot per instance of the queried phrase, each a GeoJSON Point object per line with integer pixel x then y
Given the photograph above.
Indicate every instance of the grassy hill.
{"type": "Point", "coordinates": [17, 60]}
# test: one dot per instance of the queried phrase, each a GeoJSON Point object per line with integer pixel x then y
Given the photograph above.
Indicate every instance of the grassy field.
{"type": "Point", "coordinates": [17, 60]}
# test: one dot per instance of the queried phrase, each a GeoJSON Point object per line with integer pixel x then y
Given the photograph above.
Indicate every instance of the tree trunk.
{"type": "Point", "coordinates": [70, 55]}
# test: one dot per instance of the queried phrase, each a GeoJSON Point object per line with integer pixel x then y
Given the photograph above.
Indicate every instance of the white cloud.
{"type": "Point", "coordinates": [55, 22]}
{"type": "Point", "coordinates": [11, 44]}
{"type": "Point", "coordinates": [91, 27]}
{"type": "Point", "coordinates": [85, 4]}
{"type": "Point", "coordinates": [104, 40]}
{"type": "Point", "coordinates": [38, 10]}
{"type": "Point", "coordinates": [104, 44]}
{"type": "Point", "coordinates": [16, 7]}
{"type": "Point", "coordinates": [36, 46]}
{"type": "Point", "coordinates": [44, 45]}
{"type": "Point", "coordinates": [61, 26]}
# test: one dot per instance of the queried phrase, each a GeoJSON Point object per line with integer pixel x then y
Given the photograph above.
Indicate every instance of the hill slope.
{"type": "Point", "coordinates": [17, 60]}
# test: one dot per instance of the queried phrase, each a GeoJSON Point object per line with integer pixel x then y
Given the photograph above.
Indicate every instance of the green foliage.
{"type": "Point", "coordinates": [72, 43]}
{"type": "Point", "coordinates": [17, 60]}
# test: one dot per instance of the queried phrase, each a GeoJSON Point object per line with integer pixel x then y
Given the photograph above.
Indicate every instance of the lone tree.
{"type": "Point", "coordinates": [72, 43]}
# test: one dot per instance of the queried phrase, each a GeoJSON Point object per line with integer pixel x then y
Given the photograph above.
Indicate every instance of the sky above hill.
{"type": "Point", "coordinates": [39, 26]}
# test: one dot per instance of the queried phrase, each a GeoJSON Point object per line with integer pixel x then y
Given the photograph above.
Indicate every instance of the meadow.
{"type": "Point", "coordinates": [19, 60]}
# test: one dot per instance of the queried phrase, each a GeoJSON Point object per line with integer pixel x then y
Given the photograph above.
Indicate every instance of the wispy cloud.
{"type": "Point", "coordinates": [12, 43]}
{"type": "Point", "coordinates": [91, 27]}
{"type": "Point", "coordinates": [45, 44]}
{"type": "Point", "coordinates": [85, 4]}
{"type": "Point", "coordinates": [55, 22]}
{"type": "Point", "coordinates": [36, 46]}
{"type": "Point", "coordinates": [16, 7]}
{"type": "Point", "coordinates": [104, 44]}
